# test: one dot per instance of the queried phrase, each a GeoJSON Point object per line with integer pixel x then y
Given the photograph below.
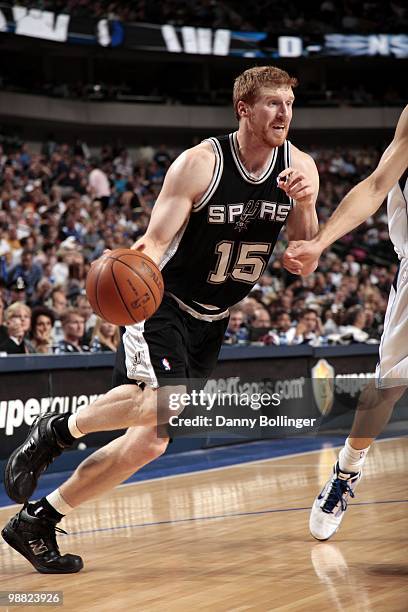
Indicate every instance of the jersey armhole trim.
{"type": "Point", "coordinates": [219, 166]}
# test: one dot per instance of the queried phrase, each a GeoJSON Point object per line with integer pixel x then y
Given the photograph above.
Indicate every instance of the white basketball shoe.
{"type": "Point", "coordinates": [330, 505]}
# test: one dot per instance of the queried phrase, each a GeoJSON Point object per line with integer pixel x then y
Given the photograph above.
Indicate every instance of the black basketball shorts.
{"type": "Point", "coordinates": [171, 346]}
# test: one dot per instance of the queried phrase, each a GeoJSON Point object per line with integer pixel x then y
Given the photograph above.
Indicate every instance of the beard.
{"type": "Point", "coordinates": [271, 138]}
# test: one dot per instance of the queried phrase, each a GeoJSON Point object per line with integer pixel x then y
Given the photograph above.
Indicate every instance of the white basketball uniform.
{"type": "Point", "coordinates": [392, 369]}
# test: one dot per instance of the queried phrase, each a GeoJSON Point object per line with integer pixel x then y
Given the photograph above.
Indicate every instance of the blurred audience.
{"type": "Point", "coordinates": [105, 336]}
{"type": "Point", "coordinates": [53, 225]}
{"type": "Point", "coordinates": [354, 323]}
{"type": "Point", "coordinates": [73, 325]}
{"type": "Point", "coordinates": [27, 271]}
{"type": "Point", "coordinates": [309, 329]}
{"type": "Point", "coordinates": [85, 310]}
{"type": "Point", "coordinates": [285, 331]}
{"type": "Point", "coordinates": [17, 320]}
{"type": "Point", "coordinates": [42, 321]}
{"type": "Point", "coordinates": [236, 332]}
{"type": "Point", "coordinates": [3, 328]}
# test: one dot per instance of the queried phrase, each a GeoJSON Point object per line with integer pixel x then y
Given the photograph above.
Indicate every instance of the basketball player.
{"type": "Point", "coordinates": [212, 231]}
{"type": "Point", "coordinates": [377, 401]}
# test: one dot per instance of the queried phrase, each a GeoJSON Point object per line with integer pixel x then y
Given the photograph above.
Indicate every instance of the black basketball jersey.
{"type": "Point", "coordinates": [228, 239]}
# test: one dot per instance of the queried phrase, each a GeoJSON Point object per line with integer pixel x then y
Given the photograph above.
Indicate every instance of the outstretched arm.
{"type": "Point", "coordinates": [360, 203]}
{"type": "Point", "coordinates": [186, 180]}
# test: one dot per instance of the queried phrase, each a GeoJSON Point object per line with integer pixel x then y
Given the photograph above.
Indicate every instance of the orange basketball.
{"type": "Point", "coordinates": [124, 287]}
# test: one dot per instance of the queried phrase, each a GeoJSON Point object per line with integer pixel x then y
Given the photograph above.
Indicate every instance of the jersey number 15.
{"type": "Point", "coordinates": [248, 266]}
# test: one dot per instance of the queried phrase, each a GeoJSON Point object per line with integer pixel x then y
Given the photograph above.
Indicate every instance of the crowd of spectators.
{"type": "Point", "coordinates": [265, 15]}
{"type": "Point", "coordinates": [60, 208]}
{"type": "Point", "coordinates": [334, 306]}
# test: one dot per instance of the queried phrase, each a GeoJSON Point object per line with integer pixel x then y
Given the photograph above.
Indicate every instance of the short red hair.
{"type": "Point", "coordinates": [248, 84]}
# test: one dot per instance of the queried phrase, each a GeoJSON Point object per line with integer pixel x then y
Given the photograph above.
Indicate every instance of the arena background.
{"type": "Point", "coordinates": [128, 86]}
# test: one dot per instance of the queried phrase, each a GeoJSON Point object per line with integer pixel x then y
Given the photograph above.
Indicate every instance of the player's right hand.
{"type": "Point", "coordinates": [302, 257]}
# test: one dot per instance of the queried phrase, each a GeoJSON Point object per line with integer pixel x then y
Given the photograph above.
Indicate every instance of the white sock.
{"type": "Point", "coordinates": [73, 427]}
{"type": "Point", "coordinates": [350, 459]}
{"type": "Point", "coordinates": [59, 504]}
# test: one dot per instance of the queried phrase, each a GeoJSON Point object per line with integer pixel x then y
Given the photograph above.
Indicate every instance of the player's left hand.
{"type": "Point", "coordinates": [297, 185]}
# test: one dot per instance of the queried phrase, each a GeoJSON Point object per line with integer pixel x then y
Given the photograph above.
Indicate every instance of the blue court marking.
{"type": "Point", "coordinates": [177, 463]}
{"type": "Point", "coordinates": [199, 460]}
{"type": "Point", "coordinates": [222, 516]}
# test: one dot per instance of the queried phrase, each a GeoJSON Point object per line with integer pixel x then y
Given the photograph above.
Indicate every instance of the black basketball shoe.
{"type": "Point", "coordinates": [26, 463]}
{"type": "Point", "coordinates": [35, 539]}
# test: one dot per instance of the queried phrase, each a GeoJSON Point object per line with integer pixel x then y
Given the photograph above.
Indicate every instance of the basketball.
{"type": "Point", "coordinates": [124, 287]}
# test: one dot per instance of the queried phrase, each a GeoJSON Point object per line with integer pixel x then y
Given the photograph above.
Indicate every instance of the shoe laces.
{"type": "Point", "coordinates": [49, 522]}
{"type": "Point", "coordinates": [52, 535]}
{"type": "Point", "coordinates": [59, 530]}
{"type": "Point", "coordinates": [338, 493]}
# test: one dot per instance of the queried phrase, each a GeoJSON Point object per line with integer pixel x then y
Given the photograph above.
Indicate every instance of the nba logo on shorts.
{"type": "Point", "coordinates": [166, 365]}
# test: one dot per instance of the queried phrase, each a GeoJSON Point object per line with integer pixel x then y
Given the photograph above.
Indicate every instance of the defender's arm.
{"type": "Point", "coordinates": [359, 204]}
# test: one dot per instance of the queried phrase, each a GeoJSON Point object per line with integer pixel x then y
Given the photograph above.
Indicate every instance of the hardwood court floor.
{"type": "Point", "coordinates": [235, 539]}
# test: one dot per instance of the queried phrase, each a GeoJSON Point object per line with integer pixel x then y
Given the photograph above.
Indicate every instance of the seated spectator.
{"type": "Point", "coordinates": [85, 310]}
{"type": "Point", "coordinates": [42, 321]}
{"type": "Point", "coordinates": [371, 326]}
{"type": "Point", "coordinates": [17, 291]}
{"type": "Point", "coordinates": [60, 270]}
{"type": "Point", "coordinates": [123, 163]}
{"type": "Point", "coordinates": [353, 325]}
{"type": "Point", "coordinates": [5, 250]}
{"type": "Point", "coordinates": [261, 318]}
{"type": "Point", "coordinates": [350, 265]}
{"type": "Point", "coordinates": [105, 336]}
{"type": "Point", "coordinates": [14, 244]}
{"type": "Point", "coordinates": [42, 292]}
{"type": "Point", "coordinates": [29, 271]}
{"type": "Point", "coordinates": [309, 329]}
{"type": "Point", "coordinates": [351, 285]}
{"type": "Point", "coordinates": [329, 322]}
{"type": "Point", "coordinates": [58, 303]}
{"type": "Point", "coordinates": [384, 280]}
{"type": "Point", "coordinates": [249, 304]}
{"type": "Point", "coordinates": [162, 156]}
{"type": "Point", "coordinates": [17, 320]}
{"type": "Point", "coordinates": [335, 274]}
{"type": "Point", "coordinates": [3, 269]}
{"type": "Point", "coordinates": [73, 325]}
{"type": "Point", "coordinates": [3, 328]}
{"type": "Point", "coordinates": [236, 331]}
{"type": "Point", "coordinates": [260, 325]}
{"type": "Point", "coordinates": [285, 331]}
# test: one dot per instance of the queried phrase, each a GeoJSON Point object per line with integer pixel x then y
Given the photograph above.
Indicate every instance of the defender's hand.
{"type": "Point", "coordinates": [302, 257]}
